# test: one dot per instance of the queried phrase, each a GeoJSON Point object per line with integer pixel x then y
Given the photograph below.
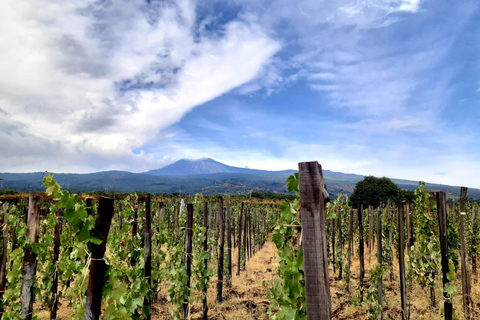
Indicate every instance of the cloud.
{"type": "Point", "coordinates": [103, 78]}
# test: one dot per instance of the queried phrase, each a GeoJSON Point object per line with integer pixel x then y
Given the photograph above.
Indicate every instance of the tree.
{"type": "Point", "coordinates": [373, 191]}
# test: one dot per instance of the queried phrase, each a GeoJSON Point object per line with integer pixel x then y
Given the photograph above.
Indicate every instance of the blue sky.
{"type": "Point", "coordinates": [375, 87]}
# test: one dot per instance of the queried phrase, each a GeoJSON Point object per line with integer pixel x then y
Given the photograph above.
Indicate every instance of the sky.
{"type": "Point", "coordinates": [372, 87]}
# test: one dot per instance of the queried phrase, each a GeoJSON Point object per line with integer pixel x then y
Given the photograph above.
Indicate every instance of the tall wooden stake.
{"type": "Point", "coordinates": [97, 264]}
{"type": "Point", "coordinates": [3, 267]}
{"type": "Point", "coordinates": [313, 195]}
{"type": "Point", "coordinates": [220, 251]}
{"type": "Point", "coordinates": [29, 265]}
{"type": "Point", "coordinates": [442, 222]}
{"type": "Point", "coordinates": [379, 258]}
{"type": "Point", "coordinates": [56, 253]}
{"type": "Point", "coordinates": [245, 237]}
{"type": "Point", "coordinates": [350, 246]}
{"type": "Point", "coordinates": [205, 261]}
{"type": "Point", "coordinates": [361, 249]}
{"type": "Point", "coordinates": [466, 285]}
{"type": "Point", "coordinates": [340, 242]}
{"type": "Point", "coordinates": [390, 238]}
{"type": "Point", "coordinates": [229, 246]}
{"type": "Point", "coordinates": [147, 230]}
{"type": "Point", "coordinates": [239, 239]}
{"type": "Point", "coordinates": [401, 261]}
{"type": "Point", "coordinates": [188, 257]}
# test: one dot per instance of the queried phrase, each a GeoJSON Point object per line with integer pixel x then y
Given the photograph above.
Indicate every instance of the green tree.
{"type": "Point", "coordinates": [372, 191]}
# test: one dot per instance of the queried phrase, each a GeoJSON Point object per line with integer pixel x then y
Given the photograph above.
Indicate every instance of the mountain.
{"type": "Point", "coordinates": [205, 176]}
{"type": "Point", "coordinates": [206, 166]}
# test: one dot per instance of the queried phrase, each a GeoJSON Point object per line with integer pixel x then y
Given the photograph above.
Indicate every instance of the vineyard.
{"type": "Point", "coordinates": [204, 257]}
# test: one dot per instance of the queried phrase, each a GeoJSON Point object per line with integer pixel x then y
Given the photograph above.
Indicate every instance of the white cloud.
{"type": "Point", "coordinates": [410, 5]}
{"type": "Point", "coordinates": [101, 79]}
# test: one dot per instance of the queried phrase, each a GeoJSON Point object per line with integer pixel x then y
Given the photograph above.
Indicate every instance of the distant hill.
{"type": "Point", "coordinates": [205, 176]}
{"type": "Point", "coordinates": [206, 166]}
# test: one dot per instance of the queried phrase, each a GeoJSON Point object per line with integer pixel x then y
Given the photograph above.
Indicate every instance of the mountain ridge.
{"type": "Point", "coordinates": [186, 176]}
{"type": "Point", "coordinates": [206, 166]}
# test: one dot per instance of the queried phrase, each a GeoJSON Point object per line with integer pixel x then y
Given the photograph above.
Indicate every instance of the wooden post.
{"type": "Point", "coordinates": [334, 251]}
{"type": "Point", "coordinates": [89, 206]}
{"type": "Point", "coordinates": [56, 253]}
{"type": "Point", "coordinates": [313, 195]}
{"type": "Point", "coordinates": [442, 222]}
{"type": "Point", "coordinates": [205, 261]}
{"type": "Point", "coordinates": [209, 231]}
{"type": "Point", "coordinates": [390, 237]}
{"type": "Point", "coordinates": [147, 229]}
{"type": "Point", "coordinates": [233, 227]}
{"type": "Point", "coordinates": [250, 234]}
{"type": "Point", "coordinates": [361, 249]}
{"type": "Point", "coordinates": [3, 259]}
{"type": "Point", "coordinates": [466, 285]}
{"type": "Point", "coordinates": [340, 242]}
{"type": "Point", "coordinates": [245, 237]}
{"type": "Point", "coordinates": [97, 264]}
{"type": "Point", "coordinates": [220, 250]}
{"type": "Point", "coordinates": [474, 256]}
{"type": "Point", "coordinates": [174, 214]}
{"type": "Point", "coordinates": [29, 265]}
{"type": "Point", "coordinates": [379, 258]}
{"type": "Point", "coordinates": [350, 245]}
{"type": "Point", "coordinates": [401, 261]}
{"type": "Point", "coordinates": [239, 239]}
{"type": "Point", "coordinates": [133, 260]}
{"type": "Point", "coordinates": [160, 219]}
{"type": "Point", "coordinates": [409, 228]}
{"type": "Point", "coordinates": [188, 256]}
{"type": "Point", "coordinates": [229, 246]}
{"type": "Point", "coordinates": [177, 220]}
{"type": "Point", "coordinates": [370, 232]}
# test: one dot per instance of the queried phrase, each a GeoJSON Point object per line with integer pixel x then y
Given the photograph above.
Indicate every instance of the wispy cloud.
{"type": "Point", "coordinates": [105, 77]}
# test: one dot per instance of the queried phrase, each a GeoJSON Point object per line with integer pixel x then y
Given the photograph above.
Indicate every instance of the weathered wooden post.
{"type": "Point", "coordinates": [56, 253]}
{"type": "Point", "coordinates": [442, 222]}
{"type": "Point", "coordinates": [209, 230]}
{"type": "Point", "coordinates": [147, 231]}
{"type": "Point", "coordinates": [370, 233]}
{"type": "Point", "coordinates": [409, 228]}
{"type": "Point", "coordinates": [474, 256]}
{"type": "Point", "coordinates": [133, 260]}
{"type": "Point", "coordinates": [350, 245]}
{"type": "Point", "coordinates": [361, 249]}
{"type": "Point", "coordinates": [390, 237]}
{"type": "Point", "coordinates": [229, 246]}
{"type": "Point", "coordinates": [97, 264]}
{"type": "Point", "coordinates": [379, 258]}
{"type": "Point", "coordinates": [466, 285]}
{"type": "Point", "coordinates": [401, 261]}
{"type": "Point", "coordinates": [4, 255]}
{"type": "Point", "coordinates": [340, 243]}
{"type": "Point", "coordinates": [188, 257]}
{"type": "Point", "coordinates": [161, 210]}
{"type": "Point", "coordinates": [29, 265]}
{"type": "Point", "coordinates": [239, 239]}
{"type": "Point", "coordinates": [205, 261]}
{"type": "Point", "coordinates": [245, 237]}
{"type": "Point", "coordinates": [313, 195]}
{"type": "Point", "coordinates": [221, 224]}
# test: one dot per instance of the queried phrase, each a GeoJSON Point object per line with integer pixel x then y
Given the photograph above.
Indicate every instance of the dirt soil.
{"type": "Point", "coordinates": [247, 298]}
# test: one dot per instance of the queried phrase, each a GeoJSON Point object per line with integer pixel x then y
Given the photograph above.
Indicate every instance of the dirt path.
{"type": "Point", "coordinates": [246, 299]}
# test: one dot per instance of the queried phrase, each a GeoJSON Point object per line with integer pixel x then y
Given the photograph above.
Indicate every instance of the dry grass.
{"type": "Point", "coordinates": [418, 298]}
{"type": "Point", "coordinates": [246, 299]}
